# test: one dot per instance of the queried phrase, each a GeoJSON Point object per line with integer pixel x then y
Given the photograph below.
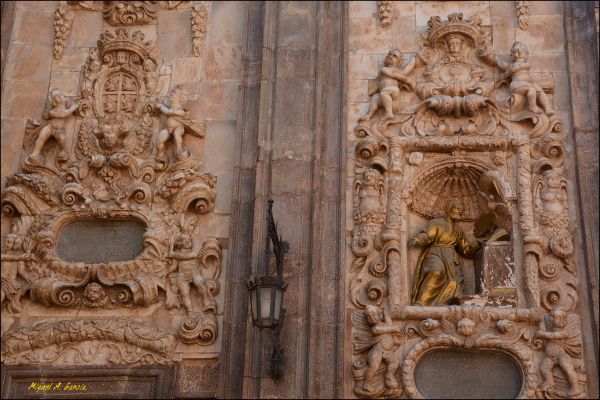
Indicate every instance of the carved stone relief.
{"type": "Point", "coordinates": [385, 10]}
{"type": "Point", "coordinates": [199, 25]}
{"type": "Point", "coordinates": [128, 13]}
{"type": "Point", "coordinates": [459, 155]}
{"type": "Point", "coordinates": [104, 156]}
{"type": "Point", "coordinates": [523, 12]}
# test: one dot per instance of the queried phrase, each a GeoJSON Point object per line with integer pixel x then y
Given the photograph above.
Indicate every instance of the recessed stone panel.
{"type": "Point", "coordinates": [461, 374]}
{"type": "Point", "coordinates": [93, 240]}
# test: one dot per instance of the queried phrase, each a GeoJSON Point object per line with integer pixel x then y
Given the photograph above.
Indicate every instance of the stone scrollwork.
{"type": "Point", "coordinates": [118, 169]}
{"type": "Point", "coordinates": [441, 130]}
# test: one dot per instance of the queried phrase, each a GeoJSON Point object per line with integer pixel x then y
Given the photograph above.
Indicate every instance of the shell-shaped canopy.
{"type": "Point", "coordinates": [456, 179]}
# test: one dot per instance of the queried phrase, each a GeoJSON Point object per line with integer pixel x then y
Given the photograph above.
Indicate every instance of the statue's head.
{"type": "Point", "coordinates": [177, 96]}
{"type": "Point", "coordinates": [57, 97]}
{"type": "Point", "coordinates": [454, 41]}
{"type": "Point", "coordinates": [373, 314]}
{"type": "Point", "coordinates": [454, 209]}
{"type": "Point", "coordinates": [559, 318]}
{"type": "Point", "coordinates": [519, 52]}
{"type": "Point", "coordinates": [12, 241]}
{"type": "Point", "coordinates": [93, 292]}
{"type": "Point", "coordinates": [393, 58]}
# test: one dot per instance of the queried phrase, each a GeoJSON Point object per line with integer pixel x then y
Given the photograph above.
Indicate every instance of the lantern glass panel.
{"type": "Point", "coordinates": [265, 294]}
{"type": "Point", "coordinates": [253, 304]}
{"type": "Point", "coordinates": [278, 297]}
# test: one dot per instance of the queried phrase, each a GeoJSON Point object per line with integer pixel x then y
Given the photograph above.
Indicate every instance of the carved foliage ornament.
{"type": "Point", "coordinates": [127, 13]}
{"type": "Point", "coordinates": [115, 171]}
{"type": "Point", "coordinates": [438, 131]}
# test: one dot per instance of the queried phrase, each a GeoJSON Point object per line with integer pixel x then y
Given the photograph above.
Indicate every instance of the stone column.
{"type": "Point", "coordinates": [582, 66]}
{"type": "Point", "coordinates": [291, 150]}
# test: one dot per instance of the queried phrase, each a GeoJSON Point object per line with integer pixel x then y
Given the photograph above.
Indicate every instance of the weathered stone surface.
{"type": "Point", "coordinates": [24, 63]}
{"type": "Point", "coordinates": [22, 99]}
{"type": "Point", "coordinates": [186, 69]}
{"type": "Point", "coordinates": [175, 21]}
{"type": "Point", "coordinates": [174, 45]}
{"type": "Point", "coordinates": [96, 240]}
{"type": "Point", "coordinates": [155, 381]}
{"type": "Point", "coordinates": [468, 375]}
{"type": "Point", "coordinates": [221, 63]}
{"type": "Point", "coordinates": [218, 101]}
{"type": "Point", "coordinates": [34, 27]}
{"type": "Point", "coordinates": [85, 30]}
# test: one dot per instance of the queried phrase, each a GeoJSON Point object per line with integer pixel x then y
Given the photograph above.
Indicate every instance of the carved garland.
{"type": "Point", "coordinates": [432, 131]}
{"type": "Point", "coordinates": [128, 13]}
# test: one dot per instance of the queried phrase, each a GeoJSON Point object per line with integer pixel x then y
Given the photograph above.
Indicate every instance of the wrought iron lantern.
{"type": "Point", "coordinates": [266, 296]}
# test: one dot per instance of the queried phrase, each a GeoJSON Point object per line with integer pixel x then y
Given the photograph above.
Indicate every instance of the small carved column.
{"type": "Point", "coordinates": [530, 238]}
{"type": "Point", "coordinates": [392, 235]}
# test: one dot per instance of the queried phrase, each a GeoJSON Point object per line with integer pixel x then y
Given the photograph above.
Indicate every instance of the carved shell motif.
{"type": "Point", "coordinates": [458, 179]}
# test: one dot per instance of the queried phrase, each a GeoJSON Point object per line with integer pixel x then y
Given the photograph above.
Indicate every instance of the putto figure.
{"type": "Point", "coordinates": [13, 266]}
{"type": "Point", "coordinates": [434, 281]}
{"type": "Point", "coordinates": [560, 332]}
{"type": "Point", "coordinates": [378, 334]}
{"type": "Point", "coordinates": [522, 83]}
{"type": "Point", "coordinates": [178, 122]}
{"type": "Point", "coordinates": [188, 273]}
{"type": "Point", "coordinates": [390, 76]}
{"type": "Point", "coordinates": [55, 127]}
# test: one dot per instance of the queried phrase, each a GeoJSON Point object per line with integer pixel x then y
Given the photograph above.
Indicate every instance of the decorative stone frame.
{"type": "Point", "coordinates": [458, 115]}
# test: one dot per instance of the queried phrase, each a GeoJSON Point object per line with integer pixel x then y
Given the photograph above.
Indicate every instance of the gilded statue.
{"type": "Point", "coordinates": [13, 266]}
{"type": "Point", "coordinates": [178, 122]}
{"type": "Point", "coordinates": [434, 281]}
{"type": "Point", "coordinates": [522, 83]}
{"type": "Point", "coordinates": [55, 127]}
{"type": "Point", "coordinates": [560, 332]}
{"type": "Point", "coordinates": [185, 257]}
{"type": "Point", "coordinates": [390, 77]}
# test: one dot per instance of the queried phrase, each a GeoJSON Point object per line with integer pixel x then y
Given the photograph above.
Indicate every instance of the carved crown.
{"type": "Point", "coordinates": [470, 27]}
{"type": "Point", "coordinates": [124, 40]}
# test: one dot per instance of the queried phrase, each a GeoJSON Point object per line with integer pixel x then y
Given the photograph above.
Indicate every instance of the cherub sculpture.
{"type": "Point", "coordinates": [55, 127]}
{"type": "Point", "coordinates": [383, 341]}
{"type": "Point", "coordinates": [390, 76]}
{"type": "Point", "coordinates": [495, 220]}
{"type": "Point", "coordinates": [522, 83]}
{"type": "Point", "coordinates": [13, 266]}
{"type": "Point", "coordinates": [185, 257]}
{"type": "Point", "coordinates": [561, 334]}
{"type": "Point", "coordinates": [178, 122]}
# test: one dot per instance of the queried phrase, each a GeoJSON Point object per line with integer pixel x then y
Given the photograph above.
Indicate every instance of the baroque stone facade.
{"type": "Point", "coordinates": [431, 165]}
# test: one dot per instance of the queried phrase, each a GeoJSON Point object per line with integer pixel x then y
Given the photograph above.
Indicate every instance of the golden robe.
{"type": "Point", "coordinates": [434, 281]}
